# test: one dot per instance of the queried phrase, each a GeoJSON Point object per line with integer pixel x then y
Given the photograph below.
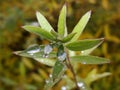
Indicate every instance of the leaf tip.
{"type": "Point", "coordinates": [37, 12]}
{"type": "Point", "coordinates": [102, 40]}
{"type": "Point", "coordinates": [16, 52]}
{"type": "Point", "coordinates": [22, 26]}
{"type": "Point", "coordinates": [89, 13]}
{"type": "Point", "coordinates": [64, 5]}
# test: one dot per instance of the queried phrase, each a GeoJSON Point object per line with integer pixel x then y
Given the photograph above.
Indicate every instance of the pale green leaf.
{"type": "Point", "coordinates": [81, 25]}
{"type": "Point", "coordinates": [83, 44]}
{"type": "Point", "coordinates": [46, 61]}
{"type": "Point", "coordinates": [36, 53]}
{"type": "Point", "coordinates": [62, 22]}
{"type": "Point", "coordinates": [43, 22]}
{"type": "Point", "coordinates": [38, 57]}
{"type": "Point", "coordinates": [89, 60]}
{"type": "Point", "coordinates": [68, 38]}
{"type": "Point", "coordinates": [93, 76]}
{"type": "Point", "coordinates": [39, 31]}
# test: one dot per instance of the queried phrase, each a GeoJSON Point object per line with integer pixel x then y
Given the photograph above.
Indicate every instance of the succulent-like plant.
{"type": "Point", "coordinates": [64, 56]}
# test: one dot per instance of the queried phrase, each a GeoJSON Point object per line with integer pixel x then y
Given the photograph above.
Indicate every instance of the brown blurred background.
{"type": "Point", "coordinates": [19, 73]}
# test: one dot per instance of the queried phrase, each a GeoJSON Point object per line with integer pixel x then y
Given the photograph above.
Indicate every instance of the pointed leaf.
{"type": "Point", "coordinates": [83, 44]}
{"type": "Point", "coordinates": [38, 57]}
{"type": "Point", "coordinates": [81, 25]}
{"type": "Point", "coordinates": [93, 76]}
{"type": "Point", "coordinates": [39, 31]}
{"type": "Point", "coordinates": [50, 83]}
{"type": "Point", "coordinates": [43, 22]}
{"type": "Point", "coordinates": [68, 38]}
{"type": "Point", "coordinates": [62, 21]}
{"type": "Point", "coordinates": [88, 51]}
{"type": "Point", "coordinates": [36, 52]}
{"type": "Point", "coordinates": [58, 70]}
{"type": "Point", "coordinates": [89, 59]}
{"type": "Point", "coordinates": [46, 61]}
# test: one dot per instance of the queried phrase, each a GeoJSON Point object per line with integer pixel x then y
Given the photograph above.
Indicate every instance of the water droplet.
{"type": "Point", "coordinates": [45, 56]}
{"type": "Point", "coordinates": [47, 81]}
{"type": "Point", "coordinates": [33, 49]}
{"type": "Point", "coordinates": [83, 62]}
{"type": "Point", "coordinates": [48, 49]}
{"type": "Point", "coordinates": [34, 24]}
{"type": "Point", "coordinates": [82, 52]}
{"type": "Point", "coordinates": [63, 88]}
{"type": "Point", "coordinates": [50, 75]}
{"type": "Point", "coordinates": [62, 56]}
{"type": "Point", "coordinates": [80, 84]}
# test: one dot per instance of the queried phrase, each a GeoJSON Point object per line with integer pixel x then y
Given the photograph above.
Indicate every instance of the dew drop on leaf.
{"type": "Point", "coordinates": [48, 49]}
{"type": "Point", "coordinates": [45, 56]}
{"type": "Point", "coordinates": [63, 88]}
{"type": "Point", "coordinates": [80, 84]}
{"type": "Point", "coordinates": [62, 56]}
{"type": "Point", "coordinates": [83, 62]}
{"type": "Point", "coordinates": [47, 81]}
{"type": "Point", "coordinates": [33, 49]}
{"type": "Point", "coordinates": [82, 52]}
{"type": "Point", "coordinates": [50, 75]}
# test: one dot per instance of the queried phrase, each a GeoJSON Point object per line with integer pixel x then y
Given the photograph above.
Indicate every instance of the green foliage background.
{"type": "Point", "coordinates": [26, 74]}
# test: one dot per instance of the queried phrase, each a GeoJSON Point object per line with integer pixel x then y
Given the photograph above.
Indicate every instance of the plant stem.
{"type": "Point", "coordinates": [72, 70]}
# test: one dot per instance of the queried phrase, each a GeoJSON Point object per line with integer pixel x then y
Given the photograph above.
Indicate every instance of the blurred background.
{"type": "Point", "coordinates": [19, 73]}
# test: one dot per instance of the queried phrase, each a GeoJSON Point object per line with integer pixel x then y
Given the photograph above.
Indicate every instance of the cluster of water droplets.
{"type": "Point", "coordinates": [44, 50]}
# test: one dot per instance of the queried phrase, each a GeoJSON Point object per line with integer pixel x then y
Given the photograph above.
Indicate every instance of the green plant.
{"type": "Point", "coordinates": [61, 52]}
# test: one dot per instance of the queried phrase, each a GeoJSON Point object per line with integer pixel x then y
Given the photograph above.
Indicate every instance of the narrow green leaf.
{"type": "Point", "coordinates": [50, 83]}
{"type": "Point", "coordinates": [36, 53]}
{"type": "Point", "coordinates": [89, 59]}
{"type": "Point", "coordinates": [62, 22]}
{"type": "Point", "coordinates": [93, 76]}
{"type": "Point", "coordinates": [81, 25]}
{"type": "Point", "coordinates": [39, 31]}
{"type": "Point", "coordinates": [83, 44]}
{"type": "Point", "coordinates": [43, 22]}
{"type": "Point", "coordinates": [58, 70]}
{"type": "Point", "coordinates": [54, 33]}
{"type": "Point", "coordinates": [39, 57]}
{"type": "Point", "coordinates": [46, 61]}
{"type": "Point", "coordinates": [68, 38]}
{"type": "Point", "coordinates": [88, 51]}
